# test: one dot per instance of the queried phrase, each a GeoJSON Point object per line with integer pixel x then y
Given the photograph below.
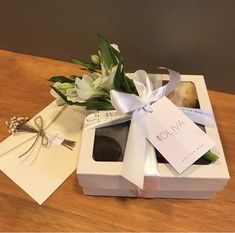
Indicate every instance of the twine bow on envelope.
{"type": "Point", "coordinates": [39, 131]}
{"type": "Point", "coordinates": [140, 106]}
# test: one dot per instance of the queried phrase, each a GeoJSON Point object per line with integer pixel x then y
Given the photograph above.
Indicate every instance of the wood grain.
{"type": "Point", "coordinates": [25, 91]}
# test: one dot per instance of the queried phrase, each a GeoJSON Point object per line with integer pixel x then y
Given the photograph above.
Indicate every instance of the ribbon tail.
{"type": "Point", "coordinates": [152, 175]}
{"type": "Point", "coordinates": [199, 116]}
{"type": "Point", "coordinates": [174, 81]}
{"type": "Point", "coordinates": [135, 153]}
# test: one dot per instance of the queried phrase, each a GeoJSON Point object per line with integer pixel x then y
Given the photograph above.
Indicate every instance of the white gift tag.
{"type": "Point", "coordinates": [55, 138]}
{"type": "Point", "coordinates": [175, 136]}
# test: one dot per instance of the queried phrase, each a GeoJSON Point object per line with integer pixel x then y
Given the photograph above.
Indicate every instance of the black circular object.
{"type": "Point", "coordinates": [106, 149]}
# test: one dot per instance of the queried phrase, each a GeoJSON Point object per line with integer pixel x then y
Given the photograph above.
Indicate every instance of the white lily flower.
{"type": "Point", "coordinates": [104, 71]}
{"type": "Point", "coordinates": [105, 81]}
{"type": "Point", "coordinates": [85, 88]}
{"type": "Point", "coordinates": [66, 89]}
{"type": "Point", "coordinates": [73, 96]}
{"type": "Point", "coordinates": [97, 77]}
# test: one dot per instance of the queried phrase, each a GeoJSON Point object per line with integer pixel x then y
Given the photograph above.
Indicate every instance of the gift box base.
{"type": "Point", "coordinates": [200, 181]}
{"type": "Point", "coordinates": [159, 194]}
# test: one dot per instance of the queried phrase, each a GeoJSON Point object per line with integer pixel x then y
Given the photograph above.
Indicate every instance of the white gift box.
{"type": "Point", "coordinates": [200, 181]}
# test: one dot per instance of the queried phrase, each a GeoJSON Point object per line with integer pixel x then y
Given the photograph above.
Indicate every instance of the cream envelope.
{"type": "Point", "coordinates": [41, 171]}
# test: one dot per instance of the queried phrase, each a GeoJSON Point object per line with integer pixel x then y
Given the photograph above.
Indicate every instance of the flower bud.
{"type": "Point", "coordinates": [115, 47]}
{"type": "Point", "coordinates": [65, 86]}
{"type": "Point", "coordinates": [71, 93]}
{"type": "Point", "coordinates": [95, 59]}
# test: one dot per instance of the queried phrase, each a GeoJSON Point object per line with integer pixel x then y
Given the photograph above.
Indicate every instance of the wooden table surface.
{"type": "Point", "coordinates": [24, 90]}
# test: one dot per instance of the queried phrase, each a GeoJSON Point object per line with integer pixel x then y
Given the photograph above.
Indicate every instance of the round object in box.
{"type": "Point", "coordinates": [185, 95]}
{"type": "Point", "coordinates": [106, 149]}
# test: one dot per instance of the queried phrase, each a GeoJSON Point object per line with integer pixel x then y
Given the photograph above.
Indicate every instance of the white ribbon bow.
{"type": "Point", "coordinates": [135, 152]}
{"type": "Point", "coordinates": [125, 103]}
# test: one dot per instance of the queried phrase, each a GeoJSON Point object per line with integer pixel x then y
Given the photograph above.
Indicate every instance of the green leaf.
{"type": "Point", "coordinates": [131, 85]}
{"type": "Point", "coordinates": [99, 103]}
{"type": "Point", "coordinates": [99, 106]}
{"type": "Point", "coordinates": [90, 66]}
{"type": "Point", "coordinates": [73, 77]}
{"type": "Point", "coordinates": [122, 82]}
{"type": "Point", "coordinates": [99, 98]}
{"type": "Point", "coordinates": [118, 55]}
{"type": "Point", "coordinates": [61, 79]}
{"type": "Point", "coordinates": [211, 156]}
{"type": "Point", "coordinates": [78, 61]}
{"type": "Point", "coordinates": [125, 83]}
{"type": "Point", "coordinates": [117, 79]}
{"type": "Point", "coordinates": [107, 53]}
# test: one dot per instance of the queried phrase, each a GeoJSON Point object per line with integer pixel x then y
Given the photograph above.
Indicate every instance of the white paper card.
{"type": "Point", "coordinates": [41, 171]}
{"type": "Point", "coordinates": [175, 136]}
